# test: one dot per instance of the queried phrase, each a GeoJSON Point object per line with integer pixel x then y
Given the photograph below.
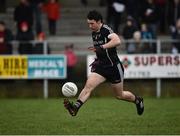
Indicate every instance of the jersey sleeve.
{"type": "Point", "coordinates": [107, 31]}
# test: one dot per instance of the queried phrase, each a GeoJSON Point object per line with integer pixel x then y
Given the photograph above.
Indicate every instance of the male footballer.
{"type": "Point", "coordinates": [106, 67]}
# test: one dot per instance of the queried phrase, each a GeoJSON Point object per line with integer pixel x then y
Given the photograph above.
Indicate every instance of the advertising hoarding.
{"type": "Point", "coordinates": [33, 67]}
{"type": "Point", "coordinates": [147, 65]}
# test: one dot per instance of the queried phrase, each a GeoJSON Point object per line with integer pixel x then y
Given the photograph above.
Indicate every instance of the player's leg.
{"type": "Point", "coordinates": [128, 96]}
{"type": "Point", "coordinates": [121, 94]}
{"type": "Point", "coordinates": [92, 82]}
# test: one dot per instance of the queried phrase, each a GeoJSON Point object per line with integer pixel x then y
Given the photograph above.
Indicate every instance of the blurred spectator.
{"type": "Point", "coordinates": [115, 9]}
{"type": "Point", "coordinates": [109, 11]}
{"type": "Point", "coordinates": [71, 61]}
{"type": "Point", "coordinates": [146, 35]}
{"type": "Point", "coordinates": [38, 47]}
{"type": "Point", "coordinates": [137, 41]}
{"type": "Point", "coordinates": [176, 36]}
{"type": "Point", "coordinates": [128, 32]}
{"type": "Point", "coordinates": [6, 37]}
{"type": "Point", "coordinates": [133, 9]}
{"type": "Point", "coordinates": [173, 13]}
{"type": "Point", "coordinates": [150, 16]}
{"type": "Point", "coordinates": [129, 28]}
{"type": "Point", "coordinates": [84, 2]}
{"type": "Point", "coordinates": [52, 9]}
{"type": "Point", "coordinates": [161, 7]}
{"type": "Point", "coordinates": [23, 13]}
{"type": "Point", "coordinates": [37, 6]}
{"type": "Point", "coordinates": [25, 37]}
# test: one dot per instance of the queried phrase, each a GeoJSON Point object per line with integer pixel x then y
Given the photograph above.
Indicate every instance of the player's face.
{"type": "Point", "coordinates": [94, 25]}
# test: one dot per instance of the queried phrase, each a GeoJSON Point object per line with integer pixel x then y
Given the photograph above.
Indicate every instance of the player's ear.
{"type": "Point", "coordinates": [99, 22]}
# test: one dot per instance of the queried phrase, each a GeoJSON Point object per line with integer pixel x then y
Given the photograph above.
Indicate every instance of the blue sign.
{"type": "Point", "coordinates": [47, 67]}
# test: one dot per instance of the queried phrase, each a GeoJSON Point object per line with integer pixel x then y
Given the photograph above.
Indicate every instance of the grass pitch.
{"type": "Point", "coordinates": [105, 116]}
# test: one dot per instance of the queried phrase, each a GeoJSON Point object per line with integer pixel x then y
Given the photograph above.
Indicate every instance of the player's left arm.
{"type": "Point", "coordinates": [114, 41]}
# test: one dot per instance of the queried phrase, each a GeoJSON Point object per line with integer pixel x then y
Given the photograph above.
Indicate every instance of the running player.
{"type": "Point", "coordinates": [106, 67]}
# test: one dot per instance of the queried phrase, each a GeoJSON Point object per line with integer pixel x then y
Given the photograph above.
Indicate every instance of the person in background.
{"type": "Point", "coordinates": [37, 6]}
{"type": "Point", "coordinates": [176, 36]}
{"type": "Point", "coordinates": [109, 12]}
{"type": "Point", "coordinates": [23, 13]}
{"type": "Point", "coordinates": [161, 7]}
{"type": "Point", "coordinates": [134, 47]}
{"type": "Point", "coordinates": [38, 47]}
{"type": "Point", "coordinates": [25, 37]}
{"type": "Point", "coordinates": [71, 61]}
{"type": "Point", "coordinates": [173, 13]}
{"type": "Point", "coordinates": [6, 37]}
{"type": "Point", "coordinates": [133, 9]}
{"type": "Point", "coordinates": [115, 9]}
{"type": "Point", "coordinates": [150, 16]}
{"type": "Point", "coordinates": [146, 35]}
{"type": "Point", "coordinates": [127, 34]}
{"type": "Point", "coordinates": [52, 9]}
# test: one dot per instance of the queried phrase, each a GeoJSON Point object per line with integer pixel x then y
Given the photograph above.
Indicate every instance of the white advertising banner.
{"type": "Point", "coordinates": [147, 65]}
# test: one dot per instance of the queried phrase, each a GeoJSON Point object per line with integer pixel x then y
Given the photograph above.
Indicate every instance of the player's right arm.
{"type": "Point", "coordinates": [114, 41]}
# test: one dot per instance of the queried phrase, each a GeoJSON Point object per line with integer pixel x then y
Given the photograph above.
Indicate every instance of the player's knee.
{"type": "Point", "coordinates": [119, 96]}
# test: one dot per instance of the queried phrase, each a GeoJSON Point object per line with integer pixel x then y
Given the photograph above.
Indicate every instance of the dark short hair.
{"type": "Point", "coordinates": [2, 23]}
{"type": "Point", "coordinates": [95, 15]}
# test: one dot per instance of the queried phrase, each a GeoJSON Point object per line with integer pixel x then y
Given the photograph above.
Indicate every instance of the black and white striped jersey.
{"type": "Point", "coordinates": [106, 57]}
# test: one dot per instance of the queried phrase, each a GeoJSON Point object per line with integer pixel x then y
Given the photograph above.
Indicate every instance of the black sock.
{"type": "Point", "coordinates": [136, 99]}
{"type": "Point", "coordinates": [78, 104]}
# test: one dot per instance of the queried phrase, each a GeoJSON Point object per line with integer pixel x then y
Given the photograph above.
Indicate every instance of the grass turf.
{"type": "Point", "coordinates": [98, 116]}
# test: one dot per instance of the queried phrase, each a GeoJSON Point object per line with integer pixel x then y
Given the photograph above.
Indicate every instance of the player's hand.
{"type": "Point", "coordinates": [91, 48]}
{"type": "Point", "coordinates": [96, 48]}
